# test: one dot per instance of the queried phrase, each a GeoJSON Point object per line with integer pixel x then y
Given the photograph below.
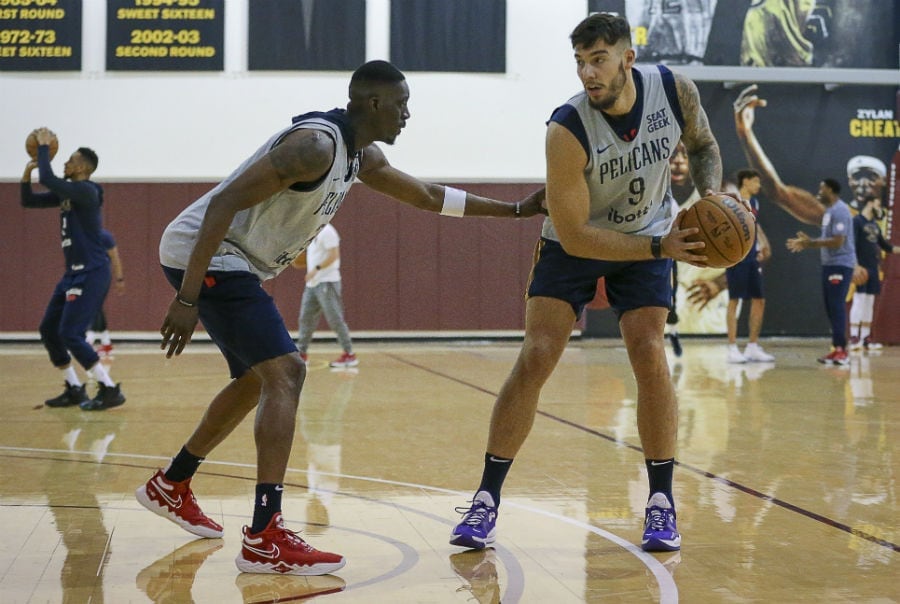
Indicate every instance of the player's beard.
{"type": "Point", "coordinates": [614, 90]}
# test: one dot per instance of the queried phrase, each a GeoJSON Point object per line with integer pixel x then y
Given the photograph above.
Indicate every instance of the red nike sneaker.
{"type": "Point", "coordinates": [276, 550]}
{"type": "Point", "coordinates": [175, 501]}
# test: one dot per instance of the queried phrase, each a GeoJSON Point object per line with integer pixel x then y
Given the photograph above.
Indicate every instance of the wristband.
{"type": "Point", "coordinates": [454, 202]}
{"type": "Point", "coordinates": [656, 246]}
{"type": "Point", "coordinates": [184, 302]}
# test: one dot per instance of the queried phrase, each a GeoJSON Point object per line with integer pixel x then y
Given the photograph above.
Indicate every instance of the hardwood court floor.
{"type": "Point", "coordinates": [786, 488]}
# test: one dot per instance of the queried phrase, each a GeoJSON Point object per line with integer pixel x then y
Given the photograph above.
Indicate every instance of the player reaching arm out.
{"type": "Point", "coordinates": [248, 229]}
{"type": "Point", "coordinates": [305, 156]}
{"type": "Point", "coordinates": [376, 172]}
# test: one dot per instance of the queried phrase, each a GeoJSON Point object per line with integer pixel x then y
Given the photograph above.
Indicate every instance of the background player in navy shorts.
{"type": "Point", "coordinates": [745, 281]}
{"type": "Point", "coordinates": [838, 253]}
{"type": "Point", "coordinates": [79, 294]}
{"type": "Point", "coordinates": [869, 245]}
{"type": "Point", "coordinates": [100, 328]}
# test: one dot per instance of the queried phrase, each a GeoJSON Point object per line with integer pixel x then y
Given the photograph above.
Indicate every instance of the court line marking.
{"type": "Point", "coordinates": [705, 473]}
{"type": "Point", "coordinates": [668, 590]}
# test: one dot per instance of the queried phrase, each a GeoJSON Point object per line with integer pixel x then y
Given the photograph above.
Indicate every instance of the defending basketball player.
{"type": "Point", "coordinates": [612, 216]}
{"type": "Point", "coordinates": [248, 229]}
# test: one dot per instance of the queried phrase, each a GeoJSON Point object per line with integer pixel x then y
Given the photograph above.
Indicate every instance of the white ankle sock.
{"type": "Point", "coordinates": [101, 375]}
{"type": "Point", "coordinates": [71, 377]}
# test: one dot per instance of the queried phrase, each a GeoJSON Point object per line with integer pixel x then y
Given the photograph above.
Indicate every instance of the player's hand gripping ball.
{"type": "Point", "coordinates": [726, 226]}
{"type": "Point", "coordinates": [31, 145]}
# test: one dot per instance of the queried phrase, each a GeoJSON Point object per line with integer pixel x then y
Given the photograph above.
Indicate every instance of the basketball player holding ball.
{"type": "Point", "coordinates": [611, 215]}
{"type": "Point", "coordinates": [80, 292]}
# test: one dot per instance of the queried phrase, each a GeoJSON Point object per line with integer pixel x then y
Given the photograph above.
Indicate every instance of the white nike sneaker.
{"type": "Point", "coordinates": [735, 356]}
{"type": "Point", "coordinates": [755, 353]}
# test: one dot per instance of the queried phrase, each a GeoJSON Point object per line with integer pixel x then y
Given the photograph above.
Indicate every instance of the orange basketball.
{"type": "Point", "coordinates": [726, 226]}
{"type": "Point", "coordinates": [31, 146]}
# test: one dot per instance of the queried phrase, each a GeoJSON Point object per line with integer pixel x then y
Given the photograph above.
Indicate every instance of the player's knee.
{"type": "Point", "coordinates": [647, 350]}
{"type": "Point", "coordinates": [285, 373]}
{"type": "Point", "coordinates": [539, 357]}
{"type": "Point", "coordinates": [71, 338]}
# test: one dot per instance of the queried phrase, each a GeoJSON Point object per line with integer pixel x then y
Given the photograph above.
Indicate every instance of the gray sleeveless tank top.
{"type": "Point", "coordinates": [265, 239]}
{"type": "Point", "coordinates": [629, 181]}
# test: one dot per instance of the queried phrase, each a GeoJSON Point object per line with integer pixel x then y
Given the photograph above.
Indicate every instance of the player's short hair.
{"type": "Point", "coordinates": [745, 174]}
{"type": "Point", "coordinates": [90, 156]}
{"type": "Point", "coordinates": [608, 27]}
{"type": "Point", "coordinates": [375, 72]}
{"type": "Point", "coordinates": [832, 184]}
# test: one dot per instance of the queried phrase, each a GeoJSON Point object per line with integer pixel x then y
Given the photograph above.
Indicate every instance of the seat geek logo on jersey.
{"type": "Point", "coordinates": [657, 120]}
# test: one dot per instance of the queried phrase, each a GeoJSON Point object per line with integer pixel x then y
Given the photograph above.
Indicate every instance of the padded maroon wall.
{"type": "Point", "coordinates": [403, 269]}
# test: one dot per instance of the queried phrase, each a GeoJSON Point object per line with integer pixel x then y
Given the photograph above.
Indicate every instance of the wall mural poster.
{"type": "Point", "coordinates": [859, 34]}
{"type": "Point", "coordinates": [795, 136]}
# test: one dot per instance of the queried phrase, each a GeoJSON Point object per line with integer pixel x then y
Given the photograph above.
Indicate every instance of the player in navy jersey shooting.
{"type": "Point", "coordinates": [79, 294]}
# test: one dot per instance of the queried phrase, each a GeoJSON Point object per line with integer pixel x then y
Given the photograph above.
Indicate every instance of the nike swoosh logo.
{"type": "Point", "coordinates": [270, 553]}
{"type": "Point", "coordinates": [161, 489]}
{"type": "Point", "coordinates": [660, 463]}
{"type": "Point", "coordinates": [498, 460]}
{"type": "Point", "coordinates": [279, 488]}
{"type": "Point", "coordinates": [599, 150]}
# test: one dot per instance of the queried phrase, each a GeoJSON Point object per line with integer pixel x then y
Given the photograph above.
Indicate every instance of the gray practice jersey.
{"type": "Point", "coordinates": [627, 172]}
{"type": "Point", "coordinates": [265, 239]}
{"type": "Point", "coordinates": [838, 220]}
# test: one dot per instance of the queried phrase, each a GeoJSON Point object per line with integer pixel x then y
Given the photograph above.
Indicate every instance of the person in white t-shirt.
{"type": "Point", "coordinates": [323, 295]}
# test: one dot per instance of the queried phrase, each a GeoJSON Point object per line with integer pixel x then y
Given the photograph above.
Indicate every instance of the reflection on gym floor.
{"type": "Point", "coordinates": [786, 486]}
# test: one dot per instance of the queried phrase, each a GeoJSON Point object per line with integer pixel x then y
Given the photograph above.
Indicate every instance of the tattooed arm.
{"type": "Point", "coordinates": [702, 148]}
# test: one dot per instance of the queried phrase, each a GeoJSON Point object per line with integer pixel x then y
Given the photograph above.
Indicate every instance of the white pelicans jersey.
{"type": "Point", "coordinates": [627, 171]}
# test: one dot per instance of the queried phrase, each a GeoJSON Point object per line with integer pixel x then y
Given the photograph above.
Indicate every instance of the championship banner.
{"type": "Point", "coordinates": [40, 35]}
{"type": "Point", "coordinates": [164, 35]}
{"type": "Point", "coordinates": [856, 34]}
{"type": "Point", "coordinates": [321, 35]}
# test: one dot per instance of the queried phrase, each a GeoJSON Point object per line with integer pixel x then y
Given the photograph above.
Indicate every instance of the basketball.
{"type": "Point", "coordinates": [31, 146]}
{"type": "Point", "coordinates": [860, 275]}
{"type": "Point", "coordinates": [726, 226]}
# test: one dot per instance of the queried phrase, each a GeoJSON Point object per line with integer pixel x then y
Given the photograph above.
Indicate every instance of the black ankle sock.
{"type": "Point", "coordinates": [183, 466]}
{"type": "Point", "coordinates": [495, 470]}
{"type": "Point", "coordinates": [268, 503]}
{"type": "Point", "coordinates": [659, 471]}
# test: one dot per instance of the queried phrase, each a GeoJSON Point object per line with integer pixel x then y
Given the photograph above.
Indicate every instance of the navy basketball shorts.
{"type": "Point", "coordinates": [873, 285]}
{"type": "Point", "coordinates": [745, 281]}
{"type": "Point", "coordinates": [629, 285]}
{"type": "Point", "coordinates": [240, 317]}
